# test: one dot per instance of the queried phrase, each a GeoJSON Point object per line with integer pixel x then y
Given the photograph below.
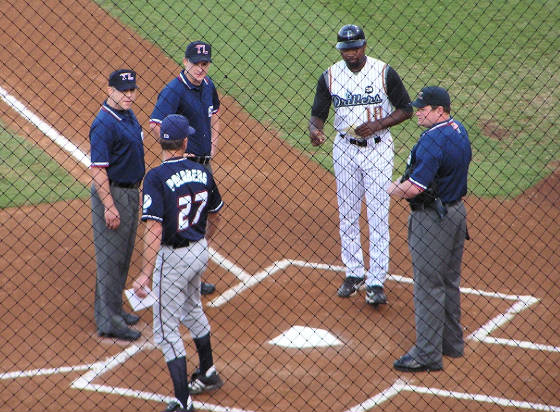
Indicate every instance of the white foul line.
{"type": "Point", "coordinates": [48, 130]}
{"type": "Point", "coordinates": [380, 398]}
{"type": "Point", "coordinates": [482, 398]}
{"type": "Point", "coordinates": [98, 368]}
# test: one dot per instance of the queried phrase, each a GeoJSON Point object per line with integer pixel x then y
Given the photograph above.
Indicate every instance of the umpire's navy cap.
{"type": "Point", "coordinates": [199, 51]}
{"type": "Point", "coordinates": [123, 79]}
{"type": "Point", "coordinates": [432, 96]}
{"type": "Point", "coordinates": [175, 127]}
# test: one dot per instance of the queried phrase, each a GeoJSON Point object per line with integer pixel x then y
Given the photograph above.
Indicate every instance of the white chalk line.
{"type": "Point", "coordinates": [481, 334]}
{"type": "Point", "coordinates": [47, 129]}
{"type": "Point", "coordinates": [247, 281]}
{"type": "Point", "coordinates": [401, 386]}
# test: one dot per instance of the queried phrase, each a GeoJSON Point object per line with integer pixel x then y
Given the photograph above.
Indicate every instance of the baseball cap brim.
{"type": "Point", "coordinates": [198, 59]}
{"type": "Point", "coordinates": [190, 131]}
{"type": "Point", "coordinates": [419, 103]}
{"type": "Point", "coordinates": [125, 87]}
{"type": "Point", "coordinates": [354, 44]}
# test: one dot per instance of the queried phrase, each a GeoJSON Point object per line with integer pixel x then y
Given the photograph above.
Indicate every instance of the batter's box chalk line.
{"type": "Point", "coordinates": [95, 370]}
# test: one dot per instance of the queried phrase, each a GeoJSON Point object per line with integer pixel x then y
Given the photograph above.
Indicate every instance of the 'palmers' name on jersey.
{"type": "Point", "coordinates": [186, 176]}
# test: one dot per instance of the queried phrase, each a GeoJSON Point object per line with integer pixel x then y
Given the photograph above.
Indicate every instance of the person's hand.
{"type": "Point", "coordinates": [141, 286]}
{"type": "Point", "coordinates": [112, 217]}
{"type": "Point", "coordinates": [368, 128]}
{"type": "Point", "coordinates": [317, 137]}
{"type": "Point", "coordinates": [391, 188]}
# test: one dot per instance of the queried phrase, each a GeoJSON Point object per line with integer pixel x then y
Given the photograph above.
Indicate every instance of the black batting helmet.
{"type": "Point", "coordinates": [350, 36]}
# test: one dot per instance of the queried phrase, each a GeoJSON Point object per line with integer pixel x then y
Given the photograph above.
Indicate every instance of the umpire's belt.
{"type": "Point", "coordinates": [125, 185]}
{"type": "Point", "coordinates": [204, 160]}
{"type": "Point", "coordinates": [178, 244]}
{"type": "Point", "coordinates": [422, 206]}
{"type": "Point", "coordinates": [361, 143]}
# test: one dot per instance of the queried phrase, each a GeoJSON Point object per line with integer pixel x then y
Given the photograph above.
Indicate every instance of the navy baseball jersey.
{"type": "Point", "coordinates": [190, 192]}
{"type": "Point", "coordinates": [197, 103]}
{"type": "Point", "coordinates": [442, 154]}
{"type": "Point", "coordinates": [117, 144]}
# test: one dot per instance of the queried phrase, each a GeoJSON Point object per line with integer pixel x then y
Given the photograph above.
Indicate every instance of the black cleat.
{"type": "Point", "coordinates": [350, 286]}
{"type": "Point", "coordinates": [375, 295]}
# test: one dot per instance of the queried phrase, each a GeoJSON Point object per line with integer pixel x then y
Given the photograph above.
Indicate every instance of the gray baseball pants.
{"type": "Point", "coordinates": [176, 284]}
{"type": "Point", "coordinates": [113, 251]}
{"type": "Point", "coordinates": [436, 246]}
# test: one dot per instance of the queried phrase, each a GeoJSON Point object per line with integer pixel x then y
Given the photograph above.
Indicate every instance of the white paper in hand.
{"type": "Point", "coordinates": [137, 303]}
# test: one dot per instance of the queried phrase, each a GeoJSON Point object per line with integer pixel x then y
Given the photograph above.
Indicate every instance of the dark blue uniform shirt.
{"type": "Point", "coordinates": [196, 103]}
{"type": "Point", "coordinates": [442, 155]}
{"type": "Point", "coordinates": [179, 194]}
{"type": "Point", "coordinates": [116, 140]}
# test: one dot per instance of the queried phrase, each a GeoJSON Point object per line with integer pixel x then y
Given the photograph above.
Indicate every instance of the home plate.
{"type": "Point", "coordinates": [304, 337]}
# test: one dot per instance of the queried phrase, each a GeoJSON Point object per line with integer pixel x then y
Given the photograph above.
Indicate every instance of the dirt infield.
{"type": "Point", "coordinates": [279, 205]}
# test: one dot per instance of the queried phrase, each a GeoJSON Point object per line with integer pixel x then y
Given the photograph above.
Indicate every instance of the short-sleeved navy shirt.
{"type": "Point", "coordinates": [179, 194]}
{"type": "Point", "coordinates": [442, 155]}
{"type": "Point", "coordinates": [196, 103]}
{"type": "Point", "coordinates": [116, 140]}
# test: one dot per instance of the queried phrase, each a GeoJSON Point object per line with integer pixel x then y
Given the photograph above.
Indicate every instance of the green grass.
{"type": "Point", "coordinates": [29, 176]}
{"type": "Point", "coordinates": [499, 60]}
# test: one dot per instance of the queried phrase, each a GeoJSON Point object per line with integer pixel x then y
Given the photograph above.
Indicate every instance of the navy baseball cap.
{"type": "Point", "coordinates": [432, 96]}
{"type": "Point", "coordinates": [124, 79]}
{"type": "Point", "coordinates": [175, 127]}
{"type": "Point", "coordinates": [199, 51]}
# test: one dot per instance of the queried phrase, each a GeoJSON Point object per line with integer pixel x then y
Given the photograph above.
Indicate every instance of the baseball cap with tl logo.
{"type": "Point", "coordinates": [199, 51]}
{"type": "Point", "coordinates": [123, 79]}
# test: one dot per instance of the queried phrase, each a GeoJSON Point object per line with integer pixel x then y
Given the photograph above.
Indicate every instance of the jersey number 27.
{"type": "Point", "coordinates": [191, 205]}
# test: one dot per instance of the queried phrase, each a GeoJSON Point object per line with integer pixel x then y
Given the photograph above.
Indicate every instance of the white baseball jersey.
{"type": "Point", "coordinates": [362, 171]}
{"type": "Point", "coordinates": [359, 97]}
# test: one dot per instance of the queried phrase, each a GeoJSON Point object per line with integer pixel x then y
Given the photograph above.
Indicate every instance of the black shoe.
{"type": "Point", "coordinates": [123, 334]}
{"type": "Point", "coordinates": [375, 295]}
{"type": "Point", "coordinates": [408, 364]}
{"type": "Point", "coordinates": [130, 318]}
{"type": "Point", "coordinates": [208, 382]}
{"type": "Point", "coordinates": [350, 286]}
{"type": "Point", "coordinates": [207, 288]}
{"type": "Point", "coordinates": [119, 330]}
{"type": "Point", "coordinates": [452, 354]}
{"type": "Point", "coordinates": [176, 407]}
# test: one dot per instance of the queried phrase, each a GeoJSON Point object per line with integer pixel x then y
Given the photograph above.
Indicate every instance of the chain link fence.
{"type": "Point", "coordinates": [282, 338]}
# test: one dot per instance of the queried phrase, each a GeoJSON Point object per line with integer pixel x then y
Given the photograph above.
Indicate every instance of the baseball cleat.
{"type": "Point", "coordinates": [207, 288]}
{"type": "Point", "coordinates": [375, 295]}
{"type": "Point", "coordinates": [208, 382]}
{"type": "Point", "coordinates": [350, 286]}
{"type": "Point", "coordinates": [177, 407]}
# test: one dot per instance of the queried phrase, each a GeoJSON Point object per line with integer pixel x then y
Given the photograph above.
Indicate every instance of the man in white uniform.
{"type": "Point", "coordinates": [368, 97]}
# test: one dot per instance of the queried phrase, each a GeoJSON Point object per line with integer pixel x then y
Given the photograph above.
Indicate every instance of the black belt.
{"type": "Point", "coordinates": [179, 244]}
{"type": "Point", "coordinates": [423, 206]}
{"type": "Point", "coordinates": [364, 143]}
{"type": "Point", "coordinates": [204, 160]}
{"type": "Point", "coordinates": [125, 185]}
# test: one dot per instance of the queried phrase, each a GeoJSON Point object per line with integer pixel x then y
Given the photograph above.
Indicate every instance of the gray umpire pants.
{"type": "Point", "coordinates": [113, 251]}
{"type": "Point", "coordinates": [176, 284]}
{"type": "Point", "coordinates": [436, 246]}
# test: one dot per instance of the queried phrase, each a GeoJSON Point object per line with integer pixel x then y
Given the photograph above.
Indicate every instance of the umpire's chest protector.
{"type": "Point", "coordinates": [358, 97]}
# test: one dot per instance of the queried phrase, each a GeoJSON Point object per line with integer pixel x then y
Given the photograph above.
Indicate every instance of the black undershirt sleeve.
{"type": "Point", "coordinates": [322, 101]}
{"type": "Point", "coordinates": [398, 96]}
